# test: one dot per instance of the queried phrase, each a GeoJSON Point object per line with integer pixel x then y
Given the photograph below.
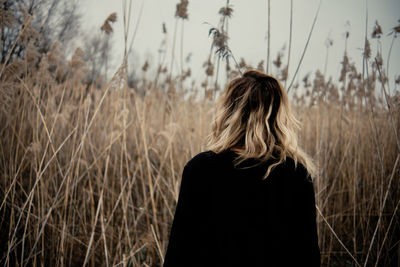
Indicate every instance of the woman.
{"type": "Point", "coordinates": [249, 201]}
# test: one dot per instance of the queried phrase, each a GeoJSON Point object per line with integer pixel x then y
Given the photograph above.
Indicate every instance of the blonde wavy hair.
{"type": "Point", "coordinates": [253, 119]}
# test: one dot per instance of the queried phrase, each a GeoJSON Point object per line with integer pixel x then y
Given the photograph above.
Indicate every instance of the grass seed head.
{"type": "Point", "coordinates": [226, 11]}
{"type": "Point", "coordinates": [367, 49]}
{"type": "Point", "coordinates": [181, 9]}
{"type": "Point", "coordinates": [106, 27]}
{"type": "Point", "coordinates": [377, 31]}
{"type": "Point", "coordinates": [260, 65]}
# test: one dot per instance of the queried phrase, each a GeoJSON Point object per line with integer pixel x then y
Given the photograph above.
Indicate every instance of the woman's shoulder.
{"type": "Point", "coordinates": [202, 158]}
{"type": "Point", "coordinates": [289, 168]}
{"type": "Point", "coordinates": [209, 158]}
{"type": "Point", "coordinates": [294, 171]}
{"type": "Point", "coordinates": [199, 167]}
{"type": "Point", "coordinates": [295, 166]}
{"type": "Point", "coordinates": [205, 155]}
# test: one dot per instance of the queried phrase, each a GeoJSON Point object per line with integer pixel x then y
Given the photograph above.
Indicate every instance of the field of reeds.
{"type": "Point", "coordinates": [90, 172]}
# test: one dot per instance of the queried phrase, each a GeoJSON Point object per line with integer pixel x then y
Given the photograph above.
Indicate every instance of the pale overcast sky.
{"type": "Point", "coordinates": [248, 30]}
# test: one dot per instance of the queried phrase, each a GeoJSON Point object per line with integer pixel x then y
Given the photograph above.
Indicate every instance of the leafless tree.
{"type": "Point", "coordinates": [50, 20]}
{"type": "Point", "coordinates": [97, 50]}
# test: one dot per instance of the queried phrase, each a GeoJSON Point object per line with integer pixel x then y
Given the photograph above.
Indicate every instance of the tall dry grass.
{"type": "Point", "coordinates": [90, 176]}
{"type": "Point", "coordinates": [87, 171]}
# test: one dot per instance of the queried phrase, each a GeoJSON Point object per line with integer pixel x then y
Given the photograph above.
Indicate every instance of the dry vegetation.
{"type": "Point", "coordinates": [90, 172]}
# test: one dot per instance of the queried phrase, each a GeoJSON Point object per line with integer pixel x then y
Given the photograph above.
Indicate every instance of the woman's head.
{"type": "Point", "coordinates": [253, 118]}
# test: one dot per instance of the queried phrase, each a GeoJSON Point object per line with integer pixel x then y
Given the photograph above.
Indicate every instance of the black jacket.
{"type": "Point", "coordinates": [227, 216]}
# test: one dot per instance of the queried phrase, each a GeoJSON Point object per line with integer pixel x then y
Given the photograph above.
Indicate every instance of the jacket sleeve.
{"type": "Point", "coordinates": [305, 236]}
{"type": "Point", "coordinates": [188, 235]}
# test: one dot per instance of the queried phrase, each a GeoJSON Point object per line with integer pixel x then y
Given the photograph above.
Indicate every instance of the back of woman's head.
{"type": "Point", "coordinates": [253, 118]}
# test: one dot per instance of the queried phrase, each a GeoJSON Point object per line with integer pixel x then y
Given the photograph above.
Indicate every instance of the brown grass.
{"type": "Point", "coordinates": [91, 176]}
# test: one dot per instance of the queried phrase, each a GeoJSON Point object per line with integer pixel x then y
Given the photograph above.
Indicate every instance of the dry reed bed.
{"type": "Point", "coordinates": [357, 171]}
{"type": "Point", "coordinates": [91, 176]}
